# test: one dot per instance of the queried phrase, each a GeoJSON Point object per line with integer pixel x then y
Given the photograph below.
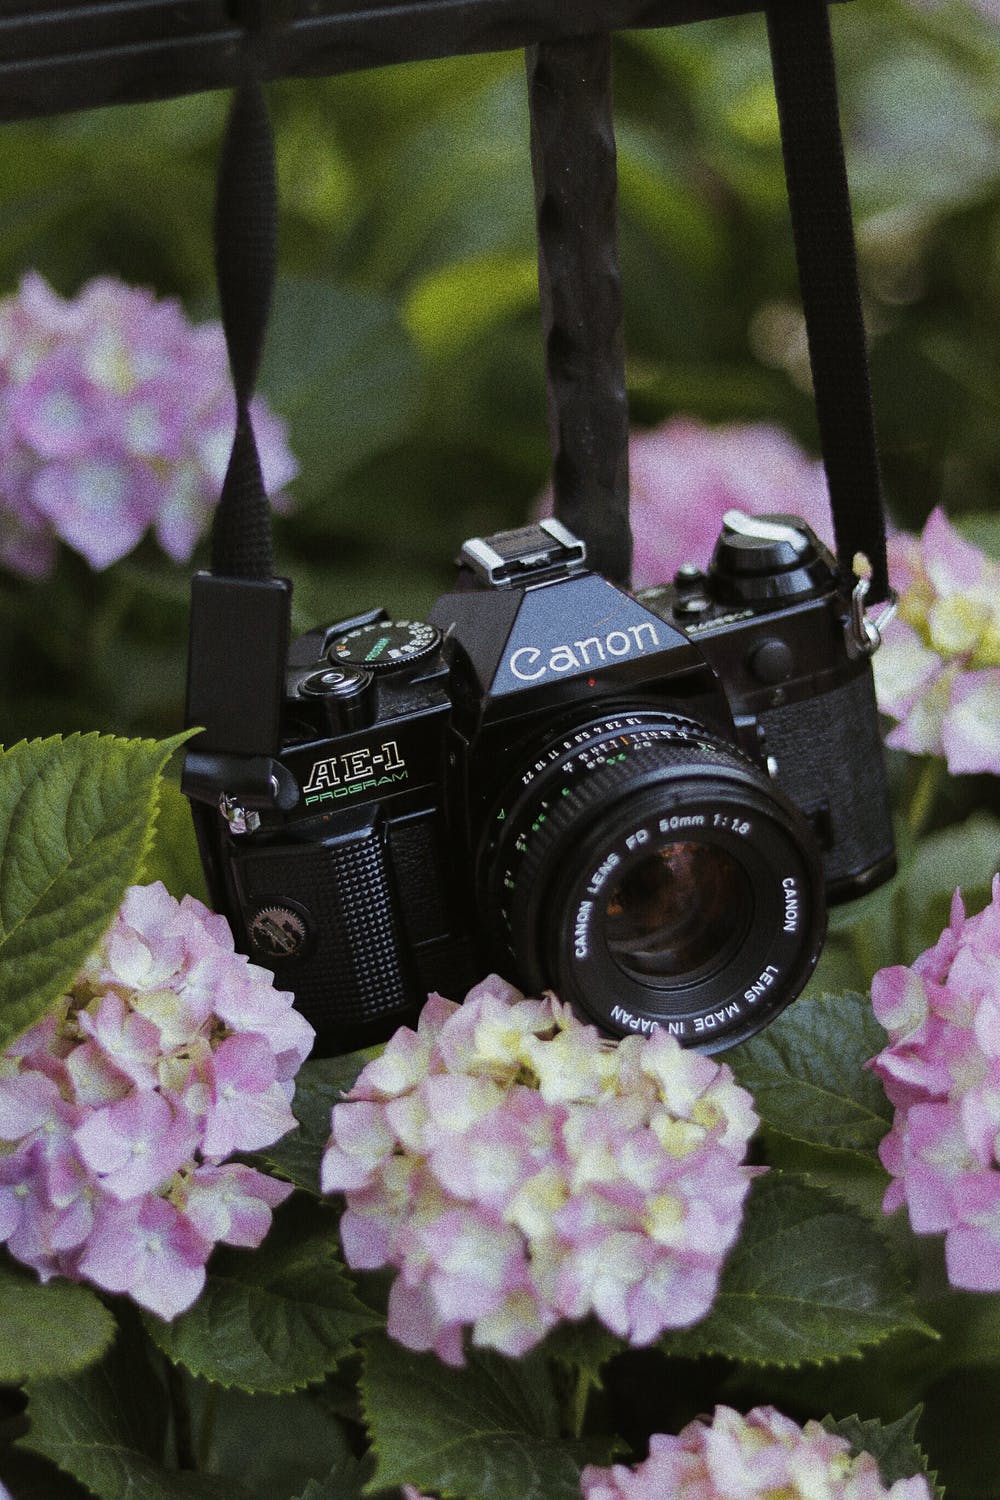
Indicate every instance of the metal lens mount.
{"type": "Point", "coordinates": [651, 876]}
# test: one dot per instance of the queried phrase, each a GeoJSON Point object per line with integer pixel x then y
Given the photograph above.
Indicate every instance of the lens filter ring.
{"type": "Point", "coordinates": [652, 877]}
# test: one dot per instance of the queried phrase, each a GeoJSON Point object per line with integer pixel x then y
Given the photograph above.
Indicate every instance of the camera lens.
{"type": "Point", "coordinates": [677, 911]}
{"type": "Point", "coordinates": [648, 873]}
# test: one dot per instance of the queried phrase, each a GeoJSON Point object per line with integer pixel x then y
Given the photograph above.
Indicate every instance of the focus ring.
{"type": "Point", "coordinates": [602, 789]}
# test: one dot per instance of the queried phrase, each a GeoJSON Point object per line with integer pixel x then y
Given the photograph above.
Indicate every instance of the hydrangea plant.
{"type": "Point", "coordinates": [120, 1109]}
{"type": "Point", "coordinates": [518, 1170]}
{"type": "Point", "coordinates": [941, 1071]}
{"type": "Point", "coordinates": [498, 1256]}
{"type": "Point", "coordinates": [939, 674]}
{"type": "Point", "coordinates": [118, 420]}
{"type": "Point", "coordinates": [757, 1457]}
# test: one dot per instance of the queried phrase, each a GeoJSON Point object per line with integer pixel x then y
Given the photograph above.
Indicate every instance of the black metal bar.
{"type": "Point", "coordinates": [83, 55]}
{"type": "Point", "coordinates": [579, 280]}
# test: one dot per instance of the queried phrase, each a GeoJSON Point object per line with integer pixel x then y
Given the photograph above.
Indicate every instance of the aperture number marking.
{"type": "Point", "coordinates": [732, 824]}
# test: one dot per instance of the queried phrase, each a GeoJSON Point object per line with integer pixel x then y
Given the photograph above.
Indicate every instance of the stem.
{"type": "Point", "coordinates": [210, 1411]}
{"type": "Point", "coordinates": [118, 599]}
{"type": "Point", "coordinates": [581, 1395]}
{"type": "Point", "coordinates": [924, 795]}
{"type": "Point", "coordinates": [864, 952]}
{"type": "Point", "coordinates": [180, 1407]}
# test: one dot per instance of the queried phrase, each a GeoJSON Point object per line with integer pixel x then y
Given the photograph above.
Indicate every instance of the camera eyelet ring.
{"type": "Point", "coordinates": [864, 636]}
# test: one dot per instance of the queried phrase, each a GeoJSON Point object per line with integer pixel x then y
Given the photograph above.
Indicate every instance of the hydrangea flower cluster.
{"type": "Point", "coordinates": [938, 672]}
{"type": "Point", "coordinates": [118, 416]}
{"type": "Point", "coordinates": [516, 1169]}
{"type": "Point", "coordinates": [941, 1071]}
{"type": "Point", "coordinates": [684, 476]}
{"type": "Point", "coordinates": [755, 1457]}
{"type": "Point", "coordinates": [118, 1109]}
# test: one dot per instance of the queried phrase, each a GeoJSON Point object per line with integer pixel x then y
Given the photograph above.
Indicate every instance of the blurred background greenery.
{"type": "Point", "coordinates": [405, 354]}
{"type": "Point", "coordinates": [405, 351]}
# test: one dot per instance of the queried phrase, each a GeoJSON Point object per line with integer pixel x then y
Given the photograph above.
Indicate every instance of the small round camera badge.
{"type": "Point", "coordinates": [279, 932]}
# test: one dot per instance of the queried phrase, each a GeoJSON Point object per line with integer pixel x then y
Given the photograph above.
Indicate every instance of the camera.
{"type": "Point", "coordinates": [643, 802]}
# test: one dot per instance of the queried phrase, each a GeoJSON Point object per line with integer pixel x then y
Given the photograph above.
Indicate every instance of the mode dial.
{"type": "Point", "coordinates": [774, 557]}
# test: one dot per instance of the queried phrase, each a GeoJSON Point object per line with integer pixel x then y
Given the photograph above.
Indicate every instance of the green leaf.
{"type": "Point", "coordinates": [653, 191]}
{"type": "Point", "coordinates": [173, 857]}
{"type": "Point", "coordinates": [319, 1084]}
{"type": "Point", "coordinates": [453, 305]}
{"type": "Point", "coordinates": [907, 914]}
{"type": "Point", "coordinates": [893, 1444]}
{"type": "Point", "coordinates": [349, 1479]}
{"type": "Point", "coordinates": [965, 855]}
{"type": "Point", "coordinates": [340, 368]}
{"type": "Point", "coordinates": [806, 1073]}
{"type": "Point", "coordinates": [270, 1445]}
{"type": "Point", "coordinates": [459, 184]}
{"type": "Point", "coordinates": [584, 1347]}
{"type": "Point", "coordinates": [275, 1319]}
{"type": "Point", "coordinates": [809, 1280]}
{"type": "Point", "coordinates": [48, 1330]}
{"type": "Point", "coordinates": [982, 528]}
{"type": "Point", "coordinates": [857, 1180]}
{"type": "Point", "coordinates": [969, 1323]}
{"type": "Point", "coordinates": [924, 161]}
{"type": "Point", "coordinates": [108, 1426]}
{"type": "Point", "coordinates": [485, 1432]}
{"type": "Point", "coordinates": [76, 819]}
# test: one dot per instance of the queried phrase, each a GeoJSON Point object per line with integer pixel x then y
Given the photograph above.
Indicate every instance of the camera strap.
{"type": "Point", "coordinates": [573, 160]}
{"type": "Point", "coordinates": [240, 613]}
{"type": "Point", "coordinates": [805, 86]}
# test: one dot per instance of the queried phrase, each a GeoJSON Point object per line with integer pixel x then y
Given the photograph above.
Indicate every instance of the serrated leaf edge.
{"type": "Point", "coordinates": [379, 1481]}
{"type": "Point", "coordinates": [832, 1424]}
{"type": "Point", "coordinates": [831, 1000]}
{"type": "Point", "coordinates": [76, 1366]}
{"type": "Point", "coordinates": [66, 976]}
{"type": "Point", "coordinates": [153, 1326]}
{"type": "Point", "coordinates": [878, 1336]}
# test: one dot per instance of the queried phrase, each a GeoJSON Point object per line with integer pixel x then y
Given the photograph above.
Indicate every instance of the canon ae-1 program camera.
{"type": "Point", "coordinates": [644, 803]}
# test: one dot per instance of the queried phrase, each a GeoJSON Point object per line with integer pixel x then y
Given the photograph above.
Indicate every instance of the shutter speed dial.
{"type": "Point", "coordinates": [386, 645]}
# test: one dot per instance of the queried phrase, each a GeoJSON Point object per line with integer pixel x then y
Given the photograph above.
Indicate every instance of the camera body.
{"type": "Point", "coordinates": [644, 802]}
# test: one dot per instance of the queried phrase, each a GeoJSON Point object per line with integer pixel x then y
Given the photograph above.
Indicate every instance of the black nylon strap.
{"type": "Point", "coordinates": [245, 253]}
{"type": "Point", "coordinates": [239, 613]}
{"type": "Point", "coordinates": [576, 196]}
{"type": "Point", "coordinates": [806, 89]}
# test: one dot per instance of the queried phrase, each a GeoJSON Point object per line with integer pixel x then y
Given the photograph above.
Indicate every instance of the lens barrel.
{"type": "Point", "coordinates": [649, 874]}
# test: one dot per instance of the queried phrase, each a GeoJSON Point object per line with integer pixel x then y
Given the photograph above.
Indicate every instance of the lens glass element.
{"type": "Point", "coordinates": [680, 908]}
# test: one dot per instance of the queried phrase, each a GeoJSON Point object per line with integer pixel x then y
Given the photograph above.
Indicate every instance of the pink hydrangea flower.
{"type": "Point", "coordinates": [117, 1111]}
{"type": "Point", "coordinates": [938, 673]}
{"type": "Point", "coordinates": [118, 419]}
{"type": "Point", "coordinates": [516, 1169]}
{"type": "Point", "coordinates": [941, 1071]}
{"type": "Point", "coordinates": [754, 1457]}
{"type": "Point", "coordinates": [684, 476]}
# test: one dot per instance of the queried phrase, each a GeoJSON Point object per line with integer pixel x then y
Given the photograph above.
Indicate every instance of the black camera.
{"type": "Point", "coordinates": [642, 802]}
